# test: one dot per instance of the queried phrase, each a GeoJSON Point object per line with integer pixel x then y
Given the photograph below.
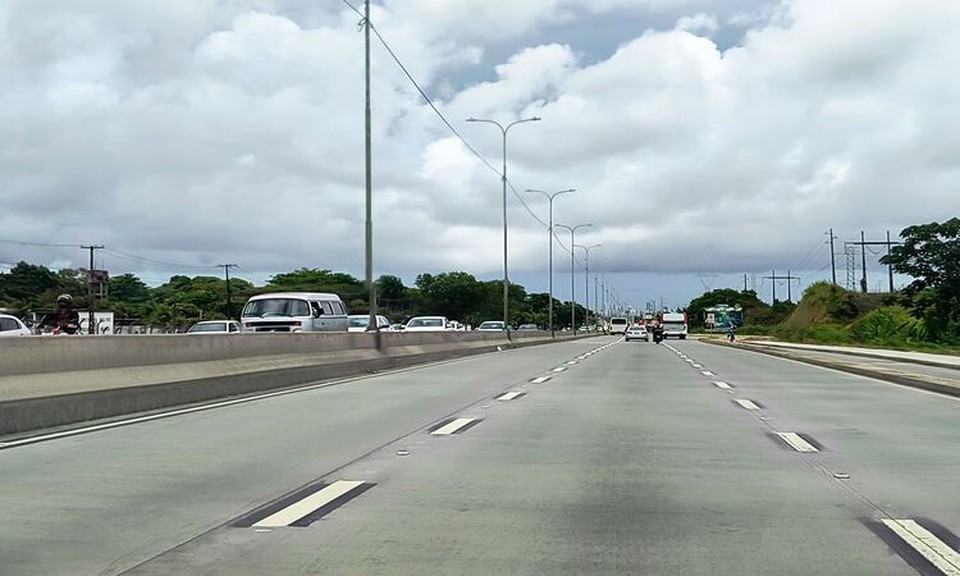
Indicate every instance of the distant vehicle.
{"type": "Point", "coordinates": [528, 328]}
{"type": "Point", "coordinates": [294, 312]}
{"type": "Point", "coordinates": [636, 332]}
{"type": "Point", "coordinates": [674, 325]}
{"type": "Point", "coordinates": [427, 324]}
{"type": "Point", "coordinates": [216, 327]}
{"type": "Point", "coordinates": [12, 326]}
{"type": "Point", "coordinates": [359, 322]}
{"type": "Point", "coordinates": [492, 326]}
{"type": "Point", "coordinates": [619, 325]}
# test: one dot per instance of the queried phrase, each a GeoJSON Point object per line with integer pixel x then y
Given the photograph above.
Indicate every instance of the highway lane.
{"type": "Point", "coordinates": [106, 501]}
{"type": "Point", "coordinates": [631, 460]}
{"type": "Point", "coordinates": [900, 445]}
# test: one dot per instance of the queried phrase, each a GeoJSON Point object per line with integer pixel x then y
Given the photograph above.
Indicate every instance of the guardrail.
{"type": "Point", "coordinates": [52, 381]}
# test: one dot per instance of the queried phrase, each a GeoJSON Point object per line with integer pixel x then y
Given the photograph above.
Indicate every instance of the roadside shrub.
{"type": "Point", "coordinates": [888, 325]}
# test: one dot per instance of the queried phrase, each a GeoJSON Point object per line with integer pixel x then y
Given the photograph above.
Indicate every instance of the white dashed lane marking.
{"type": "Point", "coordinates": [510, 396]}
{"type": "Point", "coordinates": [747, 404]}
{"type": "Point", "coordinates": [310, 504]}
{"type": "Point", "coordinates": [797, 442]}
{"type": "Point", "coordinates": [559, 368]}
{"type": "Point", "coordinates": [708, 373]}
{"type": "Point", "coordinates": [541, 379]}
{"type": "Point", "coordinates": [722, 385]}
{"type": "Point", "coordinates": [453, 427]}
{"type": "Point", "coordinates": [934, 550]}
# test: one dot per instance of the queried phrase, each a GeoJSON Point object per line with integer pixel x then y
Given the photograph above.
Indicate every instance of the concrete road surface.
{"type": "Point", "coordinates": [681, 458]}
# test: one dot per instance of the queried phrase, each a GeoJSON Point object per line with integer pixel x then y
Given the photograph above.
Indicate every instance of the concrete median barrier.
{"type": "Point", "coordinates": [54, 381]}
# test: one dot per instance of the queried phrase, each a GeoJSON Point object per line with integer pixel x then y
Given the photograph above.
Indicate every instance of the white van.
{"type": "Point", "coordinates": [619, 325]}
{"type": "Point", "coordinates": [294, 312]}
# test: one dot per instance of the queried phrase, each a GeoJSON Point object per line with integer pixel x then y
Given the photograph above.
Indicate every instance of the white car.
{"type": "Point", "coordinates": [492, 326]}
{"type": "Point", "coordinates": [359, 322]}
{"type": "Point", "coordinates": [427, 324]}
{"type": "Point", "coordinates": [216, 327]}
{"type": "Point", "coordinates": [12, 326]}
{"type": "Point", "coordinates": [636, 332]}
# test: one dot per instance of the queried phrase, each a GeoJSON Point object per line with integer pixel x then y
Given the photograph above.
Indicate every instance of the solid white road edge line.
{"type": "Point", "coordinates": [936, 551]}
{"type": "Point", "coordinates": [797, 442]}
{"type": "Point", "coordinates": [301, 508]}
{"type": "Point", "coordinates": [452, 427]}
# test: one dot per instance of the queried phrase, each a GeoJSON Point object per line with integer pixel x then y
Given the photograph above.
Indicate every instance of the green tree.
{"type": "Point", "coordinates": [317, 280]}
{"type": "Point", "coordinates": [453, 294]}
{"type": "Point", "coordinates": [930, 254]}
{"type": "Point", "coordinates": [128, 288]}
{"type": "Point", "coordinates": [26, 283]}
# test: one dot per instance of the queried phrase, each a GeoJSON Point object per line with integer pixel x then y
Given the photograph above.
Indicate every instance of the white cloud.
{"type": "Point", "coordinates": [233, 130]}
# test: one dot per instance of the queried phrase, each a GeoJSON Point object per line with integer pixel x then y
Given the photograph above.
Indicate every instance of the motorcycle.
{"type": "Point", "coordinates": [657, 335]}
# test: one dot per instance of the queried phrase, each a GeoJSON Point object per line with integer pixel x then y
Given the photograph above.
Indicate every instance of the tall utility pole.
{"type": "Point", "coordinates": [789, 278]}
{"type": "Point", "coordinates": [91, 322]}
{"type": "Point", "coordinates": [550, 198]}
{"type": "Point", "coordinates": [889, 266]}
{"type": "Point", "coordinates": [833, 261]}
{"type": "Point", "coordinates": [226, 273]}
{"type": "Point", "coordinates": [368, 171]}
{"type": "Point", "coordinates": [863, 251]}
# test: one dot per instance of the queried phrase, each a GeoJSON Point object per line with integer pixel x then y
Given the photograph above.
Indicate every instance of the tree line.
{"type": "Point", "coordinates": [183, 300]}
{"type": "Point", "coordinates": [927, 309]}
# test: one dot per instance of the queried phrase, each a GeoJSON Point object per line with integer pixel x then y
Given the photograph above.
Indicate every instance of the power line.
{"type": "Point", "coordinates": [41, 244]}
{"type": "Point", "coordinates": [136, 258]}
{"type": "Point", "coordinates": [443, 119]}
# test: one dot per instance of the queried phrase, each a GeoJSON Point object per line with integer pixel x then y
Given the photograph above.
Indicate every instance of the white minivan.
{"type": "Point", "coordinates": [294, 312]}
{"type": "Point", "coordinates": [619, 325]}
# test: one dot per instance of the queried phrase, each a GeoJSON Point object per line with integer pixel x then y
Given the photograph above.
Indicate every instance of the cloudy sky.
{"type": "Point", "coordinates": [707, 140]}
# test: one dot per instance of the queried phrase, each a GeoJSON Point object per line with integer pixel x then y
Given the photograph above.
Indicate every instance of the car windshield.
{"type": "Point", "coordinates": [276, 307]}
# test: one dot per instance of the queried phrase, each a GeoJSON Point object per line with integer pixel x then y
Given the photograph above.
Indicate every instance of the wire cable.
{"type": "Point", "coordinates": [440, 115]}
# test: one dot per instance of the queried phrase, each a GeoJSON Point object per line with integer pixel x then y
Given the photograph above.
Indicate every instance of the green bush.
{"type": "Point", "coordinates": [888, 325]}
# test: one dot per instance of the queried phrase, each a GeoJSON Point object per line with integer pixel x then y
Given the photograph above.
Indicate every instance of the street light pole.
{"type": "Point", "coordinates": [503, 178]}
{"type": "Point", "coordinates": [573, 269]}
{"type": "Point", "coordinates": [586, 281]}
{"type": "Point", "coordinates": [550, 198]}
{"type": "Point", "coordinates": [372, 325]}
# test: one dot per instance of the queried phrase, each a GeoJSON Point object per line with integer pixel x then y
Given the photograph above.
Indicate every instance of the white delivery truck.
{"type": "Point", "coordinates": [674, 324]}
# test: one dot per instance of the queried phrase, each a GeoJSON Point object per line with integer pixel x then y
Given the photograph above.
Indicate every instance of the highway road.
{"type": "Point", "coordinates": [587, 457]}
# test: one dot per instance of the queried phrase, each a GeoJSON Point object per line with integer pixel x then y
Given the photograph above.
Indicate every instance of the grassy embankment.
{"type": "Point", "coordinates": [828, 314]}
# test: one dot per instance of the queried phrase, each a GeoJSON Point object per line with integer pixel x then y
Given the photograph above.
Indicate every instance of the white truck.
{"type": "Point", "coordinates": [674, 324]}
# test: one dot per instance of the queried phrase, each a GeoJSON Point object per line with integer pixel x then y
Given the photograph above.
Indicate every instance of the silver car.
{"type": "Point", "coordinates": [12, 326]}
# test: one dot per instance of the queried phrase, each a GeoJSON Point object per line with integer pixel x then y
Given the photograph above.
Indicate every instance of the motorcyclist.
{"type": "Point", "coordinates": [657, 333]}
{"type": "Point", "coordinates": [65, 319]}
